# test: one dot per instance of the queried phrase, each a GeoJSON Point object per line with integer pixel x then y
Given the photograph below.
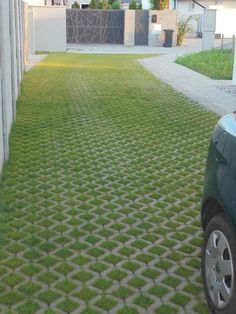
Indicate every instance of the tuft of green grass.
{"type": "Point", "coordinates": [98, 267]}
{"type": "Point", "coordinates": [48, 296]}
{"type": "Point", "coordinates": [83, 276]}
{"type": "Point", "coordinates": [29, 307]}
{"type": "Point", "coordinates": [68, 305]}
{"type": "Point", "coordinates": [123, 292]}
{"type": "Point", "coordinates": [48, 278]}
{"type": "Point", "coordinates": [102, 284]}
{"type": "Point", "coordinates": [117, 274]}
{"type": "Point", "coordinates": [137, 282]}
{"type": "Point", "coordinates": [106, 303]}
{"type": "Point", "coordinates": [30, 288]}
{"type": "Point", "coordinates": [215, 63]}
{"type": "Point", "coordinates": [12, 279]}
{"type": "Point", "coordinates": [158, 291]}
{"type": "Point", "coordinates": [11, 298]}
{"type": "Point", "coordinates": [143, 301]}
{"type": "Point", "coordinates": [86, 294]}
{"type": "Point", "coordinates": [66, 286]}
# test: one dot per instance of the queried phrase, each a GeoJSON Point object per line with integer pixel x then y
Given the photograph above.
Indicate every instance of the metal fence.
{"type": "Point", "coordinates": [95, 26]}
{"type": "Point", "coordinates": [227, 44]}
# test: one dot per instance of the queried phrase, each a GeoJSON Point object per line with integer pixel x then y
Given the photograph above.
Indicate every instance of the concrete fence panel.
{"type": "Point", "coordinates": [11, 68]}
{"type": "Point", "coordinates": [2, 156]}
{"type": "Point", "coordinates": [49, 29]}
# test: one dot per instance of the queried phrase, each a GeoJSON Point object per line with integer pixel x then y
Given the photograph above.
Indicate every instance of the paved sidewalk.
{"type": "Point", "coordinates": [194, 85]}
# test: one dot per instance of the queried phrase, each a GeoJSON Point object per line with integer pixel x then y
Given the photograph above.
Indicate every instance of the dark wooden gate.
{"type": "Point", "coordinates": [95, 26]}
{"type": "Point", "coordinates": [141, 27]}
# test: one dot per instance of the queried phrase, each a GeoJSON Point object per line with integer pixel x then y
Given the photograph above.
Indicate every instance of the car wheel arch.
{"type": "Point", "coordinates": [210, 208]}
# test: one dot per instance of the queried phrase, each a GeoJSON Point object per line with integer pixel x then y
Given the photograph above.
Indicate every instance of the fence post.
{"type": "Point", "coordinates": [233, 45]}
{"type": "Point", "coordinates": [208, 29]}
{"type": "Point", "coordinates": [222, 42]}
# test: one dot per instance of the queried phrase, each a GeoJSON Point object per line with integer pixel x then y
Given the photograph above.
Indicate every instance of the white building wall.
{"type": "Point", "coordinates": [225, 14]}
{"type": "Point", "coordinates": [36, 2]}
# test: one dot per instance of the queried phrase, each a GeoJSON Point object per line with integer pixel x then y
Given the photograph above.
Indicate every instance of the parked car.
{"type": "Point", "coordinates": [218, 215]}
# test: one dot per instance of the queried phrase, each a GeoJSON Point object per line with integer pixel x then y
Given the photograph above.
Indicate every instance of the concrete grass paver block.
{"type": "Point", "coordinates": [99, 202]}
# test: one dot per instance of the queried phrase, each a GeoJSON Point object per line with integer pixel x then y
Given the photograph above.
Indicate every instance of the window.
{"type": "Point", "coordinates": [193, 6]}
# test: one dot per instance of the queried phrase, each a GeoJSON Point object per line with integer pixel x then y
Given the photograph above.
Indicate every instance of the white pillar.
{"type": "Point", "coordinates": [208, 29]}
{"type": "Point", "coordinates": [129, 28]}
{"type": "Point", "coordinates": [2, 146]}
{"type": "Point", "coordinates": [234, 70]}
{"type": "Point", "coordinates": [6, 72]}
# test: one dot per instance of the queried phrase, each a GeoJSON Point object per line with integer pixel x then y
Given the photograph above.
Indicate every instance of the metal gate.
{"type": "Point", "coordinates": [95, 26]}
{"type": "Point", "coordinates": [141, 27]}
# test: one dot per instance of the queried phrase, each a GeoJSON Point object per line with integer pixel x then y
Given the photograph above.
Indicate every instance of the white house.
{"type": "Point", "coordinates": [47, 2]}
{"type": "Point", "coordinates": [84, 4]}
{"type": "Point", "coordinates": [225, 14]}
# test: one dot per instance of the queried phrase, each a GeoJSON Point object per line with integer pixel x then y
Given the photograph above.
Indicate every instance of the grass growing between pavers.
{"type": "Point", "coordinates": [215, 64]}
{"type": "Point", "coordinates": [100, 198]}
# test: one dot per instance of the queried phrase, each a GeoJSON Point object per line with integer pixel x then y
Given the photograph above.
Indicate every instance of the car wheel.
{"type": "Point", "coordinates": [218, 265]}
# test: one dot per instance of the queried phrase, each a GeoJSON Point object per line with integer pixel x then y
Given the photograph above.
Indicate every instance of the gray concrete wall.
{"type": "Point", "coordinates": [11, 67]}
{"type": "Point", "coordinates": [234, 68]}
{"type": "Point", "coordinates": [49, 29]}
{"type": "Point", "coordinates": [167, 19]}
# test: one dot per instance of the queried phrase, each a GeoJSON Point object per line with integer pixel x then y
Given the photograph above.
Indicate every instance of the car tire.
{"type": "Point", "coordinates": [219, 265]}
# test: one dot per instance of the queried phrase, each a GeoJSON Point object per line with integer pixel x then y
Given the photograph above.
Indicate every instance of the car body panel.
{"type": "Point", "coordinates": [220, 176]}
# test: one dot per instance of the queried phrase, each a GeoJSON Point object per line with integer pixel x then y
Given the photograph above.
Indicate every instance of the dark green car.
{"type": "Point", "coordinates": [219, 219]}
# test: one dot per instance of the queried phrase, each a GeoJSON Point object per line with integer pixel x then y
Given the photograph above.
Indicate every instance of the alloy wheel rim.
{"type": "Point", "coordinates": [219, 269]}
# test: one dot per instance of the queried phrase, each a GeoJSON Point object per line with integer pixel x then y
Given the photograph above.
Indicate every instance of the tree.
{"type": "Point", "coordinates": [140, 7]}
{"type": "Point", "coordinates": [133, 5]}
{"type": "Point", "coordinates": [98, 4]}
{"type": "Point", "coordinates": [163, 4]}
{"type": "Point", "coordinates": [105, 4]}
{"type": "Point", "coordinates": [75, 5]}
{"type": "Point", "coordinates": [155, 4]}
{"type": "Point", "coordinates": [93, 4]}
{"type": "Point", "coordinates": [115, 5]}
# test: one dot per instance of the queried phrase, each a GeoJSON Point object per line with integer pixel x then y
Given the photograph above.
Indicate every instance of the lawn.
{"type": "Point", "coordinates": [99, 202]}
{"type": "Point", "coordinates": [215, 63]}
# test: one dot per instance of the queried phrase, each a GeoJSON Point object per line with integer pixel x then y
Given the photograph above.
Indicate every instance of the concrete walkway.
{"type": "Point", "coordinates": [196, 86]}
{"type": "Point", "coordinates": [209, 93]}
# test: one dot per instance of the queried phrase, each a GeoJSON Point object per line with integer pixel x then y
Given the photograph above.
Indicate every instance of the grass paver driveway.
{"type": "Point", "coordinates": [100, 198]}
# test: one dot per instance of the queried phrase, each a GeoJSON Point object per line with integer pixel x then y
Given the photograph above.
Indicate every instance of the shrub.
{"type": "Point", "coordinates": [155, 4]}
{"type": "Point", "coordinates": [115, 5]}
{"type": "Point", "coordinates": [183, 28]}
{"type": "Point", "coordinates": [133, 5]}
{"type": "Point", "coordinates": [140, 7]}
{"type": "Point", "coordinates": [75, 5]}
{"type": "Point", "coordinates": [93, 4]}
{"type": "Point", "coordinates": [105, 4]}
{"type": "Point", "coordinates": [164, 4]}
